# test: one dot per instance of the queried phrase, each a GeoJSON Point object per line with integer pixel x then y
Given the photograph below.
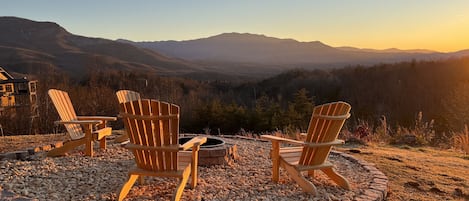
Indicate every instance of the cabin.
{"type": "Point", "coordinates": [18, 97]}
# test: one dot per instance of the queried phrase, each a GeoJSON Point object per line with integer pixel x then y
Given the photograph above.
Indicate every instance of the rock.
{"type": "Point", "coordinates": [436, 190]}
{"type": "Point", "coordinates": [458, 192]}
{"type": "Point", "coordinates": [355, 151]}
{"type": "Point", "coordinates": [394, 159]}
{"type": "Point", "coordinates": [413, 185]}
{"type": "Point", "coordinates": [408, 139]}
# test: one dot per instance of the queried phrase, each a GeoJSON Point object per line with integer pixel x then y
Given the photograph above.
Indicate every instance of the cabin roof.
{"type": "Point", "coordinates": [21, 80]}
{"type": "Point", "coordinates": [4, 75]}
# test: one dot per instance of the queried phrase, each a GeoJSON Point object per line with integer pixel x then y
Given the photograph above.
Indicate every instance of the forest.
{"type": "Point", "coordinates": [427, 99]}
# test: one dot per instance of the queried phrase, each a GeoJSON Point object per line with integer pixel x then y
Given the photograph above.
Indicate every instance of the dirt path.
{"type": "Point", "coordinates": [419, 173]}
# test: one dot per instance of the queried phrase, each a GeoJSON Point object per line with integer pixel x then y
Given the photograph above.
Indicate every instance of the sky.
{"type": "Point", "coordinates": [440, 25]}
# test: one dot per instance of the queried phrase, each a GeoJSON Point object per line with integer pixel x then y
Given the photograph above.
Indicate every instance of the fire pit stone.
{"type": "Point", "coordinates": [215, 151]}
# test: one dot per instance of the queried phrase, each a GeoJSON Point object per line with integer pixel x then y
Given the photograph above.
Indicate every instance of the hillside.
{"type": "Point", "coordinates": [263, 50]}
{"type": "Point", "coordinates": [418, 173]}
{"type": "Point", "coordinates": [28, 46]}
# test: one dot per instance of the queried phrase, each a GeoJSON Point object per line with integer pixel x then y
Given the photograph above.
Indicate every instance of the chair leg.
{"type": "Point", "coordinates": [306, 185]}
{"type": "Point", "coordinates": [182, 184]}
{"type": "Point", "coordinates": [66, 147]}
{"type": "Point", "coordinates": [89, 148]}
{"type": "Point", "coordinates": [89, 139]}
{"type": "Point", "coordinates": [193, 176]}
{"type": "Point", "coordinates": [102, 143]}
{"type": "Point", "coordinates": [126, 188]}
{"type": "Point", "coordinates": [337, 178]}
{"type": "Point", "coordinates": [275, 161]}
{"type": "Point", "coordinates": [194, 164]}
{"type": "Point", "coordinates": [141, 180]}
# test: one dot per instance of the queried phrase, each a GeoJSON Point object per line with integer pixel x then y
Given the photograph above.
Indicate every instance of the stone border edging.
{"type": "Point", "coordinates": [377, 188]}
{"type": "Point", "coordinates": [22, 155]}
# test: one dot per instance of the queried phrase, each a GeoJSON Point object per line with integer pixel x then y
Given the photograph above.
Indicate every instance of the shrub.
{"type": "Point", "coordinates": [382, 132]}
{"type": "Point", "coordinates": [422, 133]}
{"type": "Point", "coordinates": [361, 134]}
{"type": "Point", "coordinates": [461, 140]}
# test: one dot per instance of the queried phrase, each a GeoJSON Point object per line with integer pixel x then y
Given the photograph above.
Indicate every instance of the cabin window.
{"type": "Point", "coordinates": [33, 99]}
{"type": "Point", "coordinates": [9, 88]}
{"type": "Point", "coordinates": [32, 87]}
{"type": "Point", "coordinates": [22, 88]}
{"type": "Point", "coordinates": [1, 88]}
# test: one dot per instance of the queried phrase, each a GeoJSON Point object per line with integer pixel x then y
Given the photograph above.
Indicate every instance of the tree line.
{"type": "Point", "coordinates": [399, 92]}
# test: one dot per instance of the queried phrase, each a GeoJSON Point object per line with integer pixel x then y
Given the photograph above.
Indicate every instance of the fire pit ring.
{"type": "Point", "coordinates": [215, 151]}
{"type": "Point", "coordinates": [211, 142]}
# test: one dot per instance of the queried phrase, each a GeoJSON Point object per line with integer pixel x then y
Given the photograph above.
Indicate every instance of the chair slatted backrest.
{"type": "Point", "coordinates": [127, 95]}
{"type": "Point", "coordinates": [64, 107]}
{"type": "Point", "coordinates": [154, 124]}
{"type": "Point", "coordinates": [325, 125]}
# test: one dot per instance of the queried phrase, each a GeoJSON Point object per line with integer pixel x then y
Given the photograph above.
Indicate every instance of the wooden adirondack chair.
{"type": "Point", "coordinates": [125, 96]}
{"type": "Point", "coordinates": [326, 122]}
{"type": "Point", "coordinates": [153, 129]}
{"type": "Point", "coordinates": [80, 128]}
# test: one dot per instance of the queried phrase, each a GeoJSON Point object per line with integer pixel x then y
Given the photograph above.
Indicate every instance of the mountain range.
{"type": "Point", "coordinates": [245, 48]}
{"type": "Point", "coordinates": [28, 46]}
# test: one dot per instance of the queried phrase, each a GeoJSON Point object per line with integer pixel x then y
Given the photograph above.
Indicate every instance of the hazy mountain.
{"type": "Point", "coordinates": [259, 49]}
{"type": "Point", "coordinates": [27, 46]}
{"type": "Point", "coordinates": [389, 50]}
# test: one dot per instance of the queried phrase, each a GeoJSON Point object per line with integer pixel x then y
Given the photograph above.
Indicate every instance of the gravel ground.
{"type": "Point", "coordinates": [76, 177]}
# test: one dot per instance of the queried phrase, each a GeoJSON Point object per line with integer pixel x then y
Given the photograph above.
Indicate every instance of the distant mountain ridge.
{"type": "Point", "coordinates": [389, 50]}
{"type": "Point", "coordinates": [30, 44]}
{"type": "Point", "coordinates": [264, 50]}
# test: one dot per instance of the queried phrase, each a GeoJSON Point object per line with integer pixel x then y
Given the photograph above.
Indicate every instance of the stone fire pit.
{"type": "Point", "coordinates": [215, 151]}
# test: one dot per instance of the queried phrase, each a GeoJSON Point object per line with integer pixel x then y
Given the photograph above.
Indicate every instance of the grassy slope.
{"type": "Point", "coordinates": [419, 173]}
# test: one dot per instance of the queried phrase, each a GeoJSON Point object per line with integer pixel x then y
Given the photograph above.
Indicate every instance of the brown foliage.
{"type": "Point", "coordinates": [461, 140]}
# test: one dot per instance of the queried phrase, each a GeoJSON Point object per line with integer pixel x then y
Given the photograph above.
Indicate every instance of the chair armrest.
{"type": "Point", "coordinates": [81, 122]}
{"type": "Point", "coordinates": [281, 139]}
{"type": "Point", "coordinates": [151, 148]}
{"type": "Point", "coordinates": [295, 142]}
{"type": "Point", "coordinates": [102, 118]}
{"type": "Point", "coordinates": [196, 141]}
{"type": "Point", "coordinates": [327, 117]}
{"type": "Point", "coordinates": [323, 144]}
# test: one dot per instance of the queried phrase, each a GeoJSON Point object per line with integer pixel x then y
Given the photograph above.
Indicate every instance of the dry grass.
{"type": "Point", "coordinates": [461, 140]}
{"type": "Point", "coordinates": [419, 173]}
